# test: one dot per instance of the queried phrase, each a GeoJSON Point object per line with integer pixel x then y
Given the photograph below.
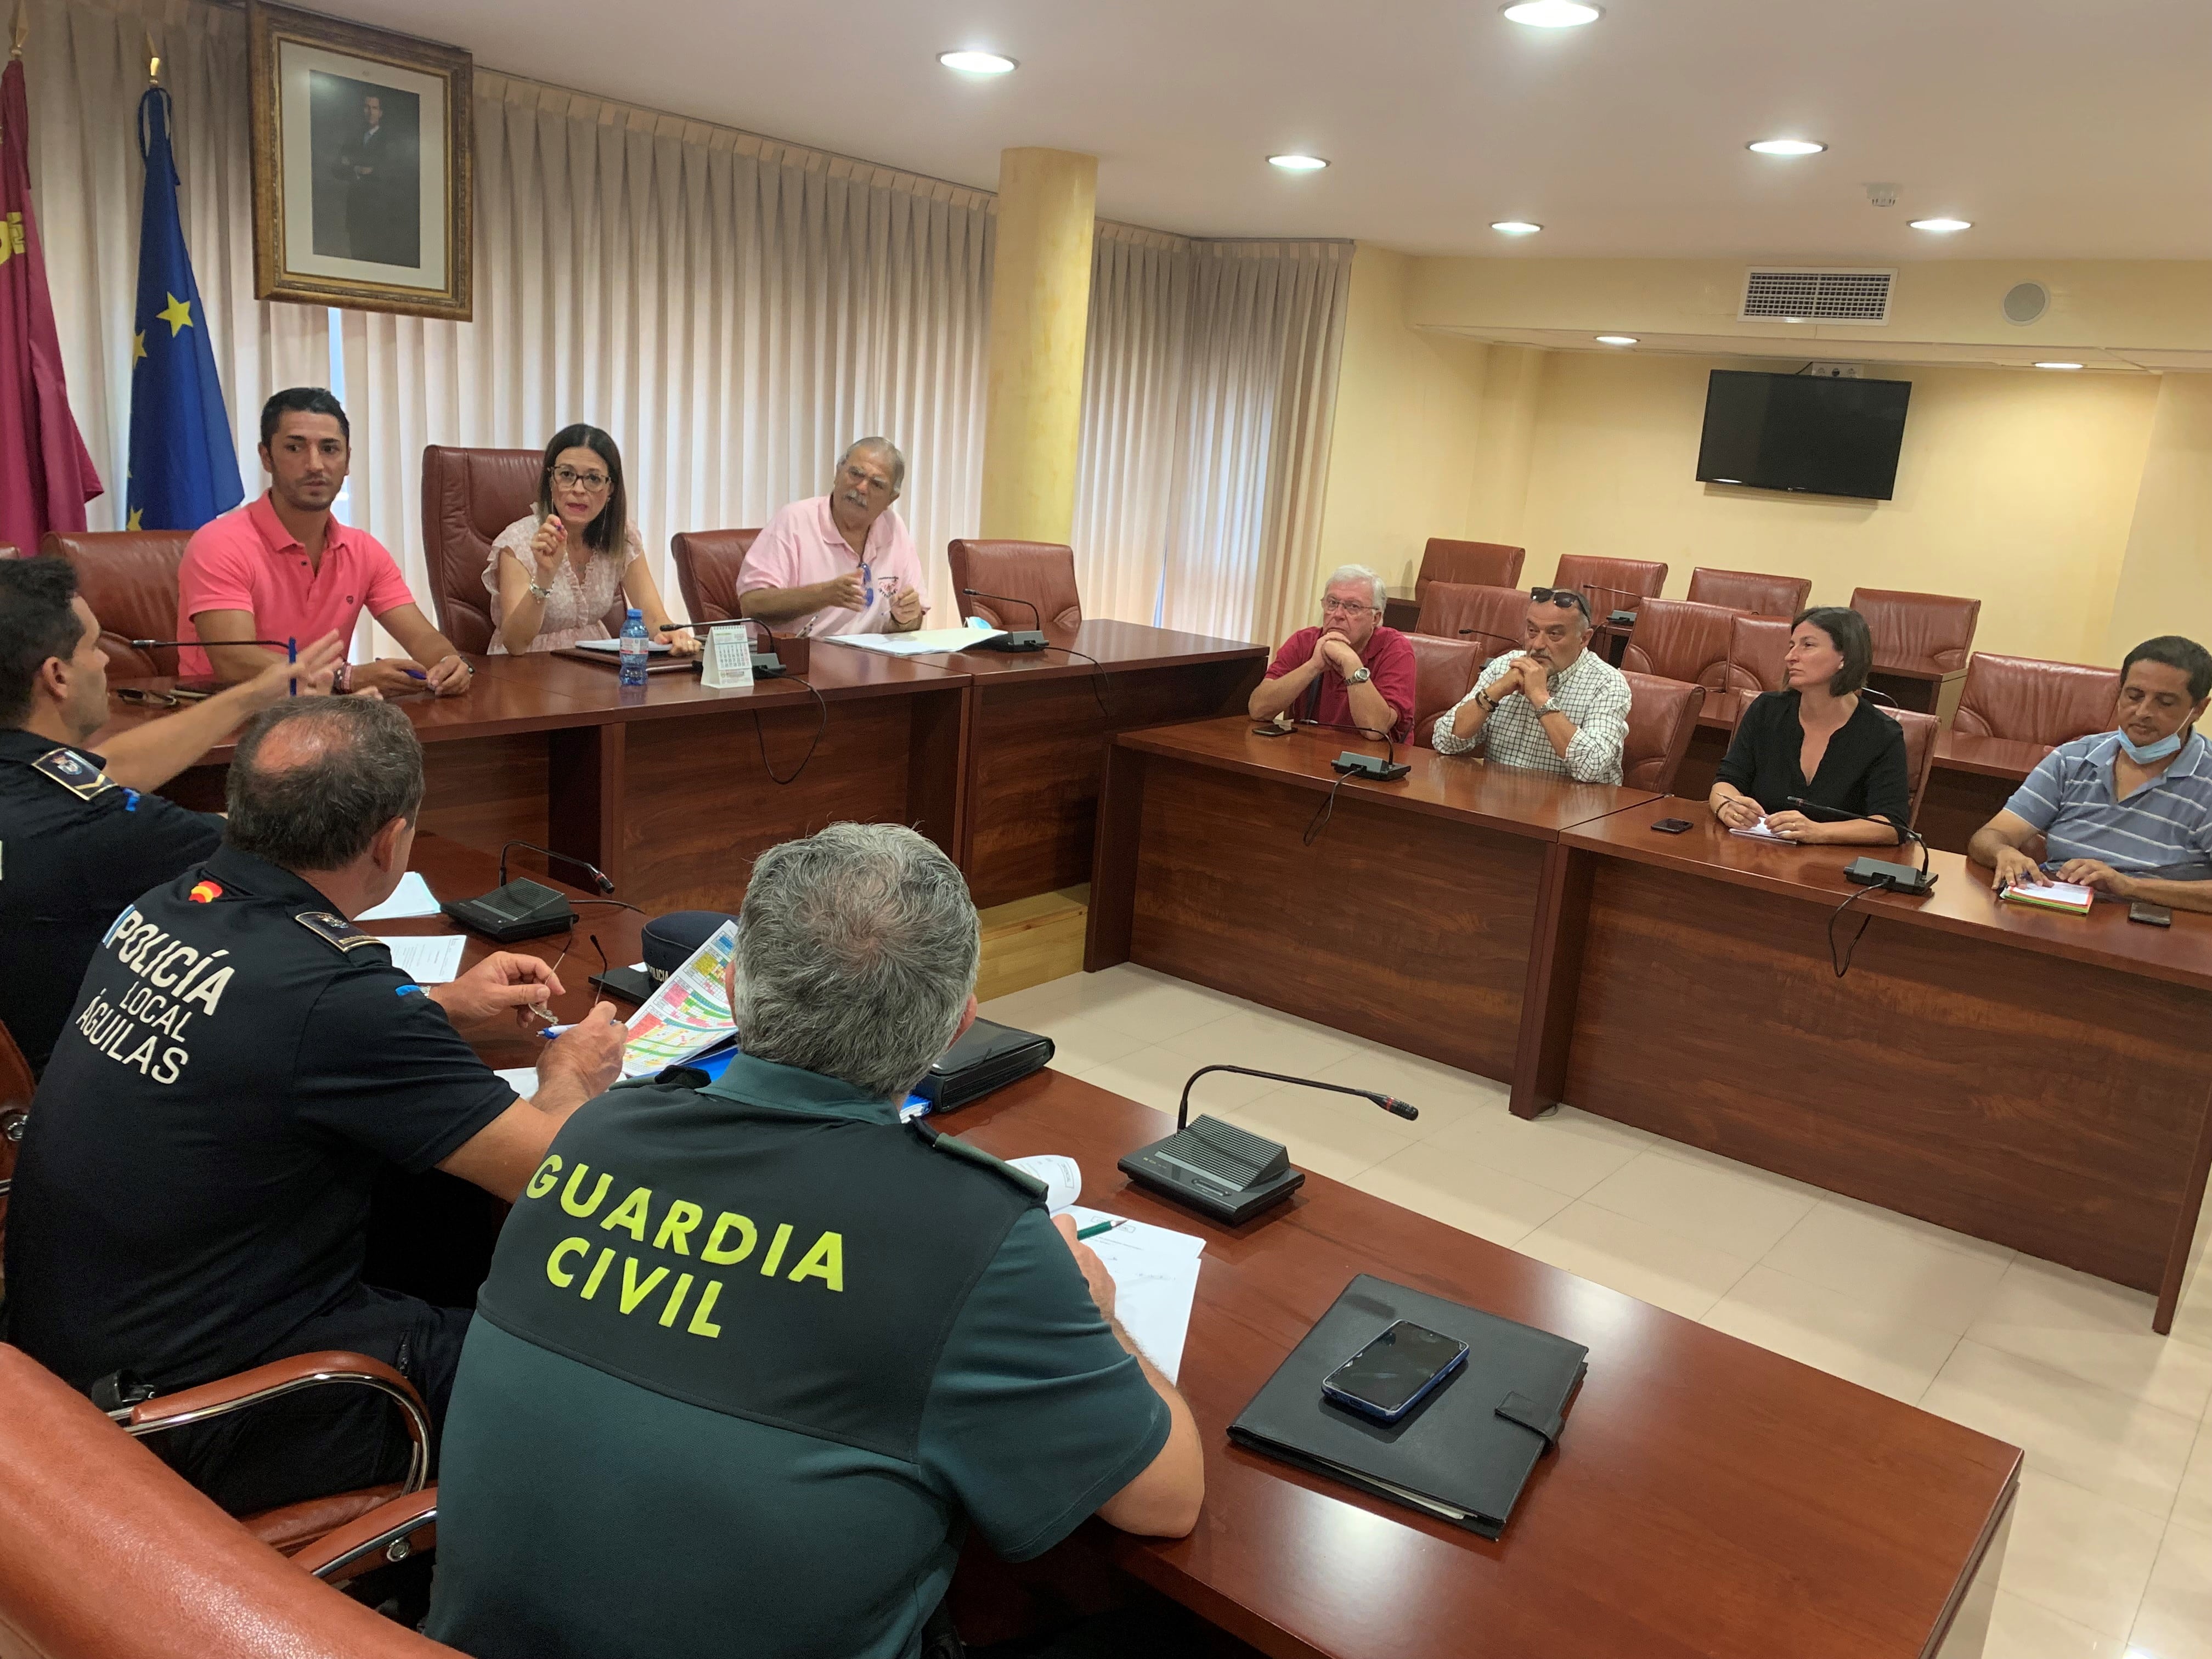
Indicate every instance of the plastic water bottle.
{"type": "Point", "coordinates": [636, 650]}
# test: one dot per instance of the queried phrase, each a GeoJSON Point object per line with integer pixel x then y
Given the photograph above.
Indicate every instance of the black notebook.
{"type": "Point", "coordinates": [1461, 1455]}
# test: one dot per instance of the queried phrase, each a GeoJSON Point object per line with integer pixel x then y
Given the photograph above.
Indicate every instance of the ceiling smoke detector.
{"type": "Point", "coordinates": [1882, 195]}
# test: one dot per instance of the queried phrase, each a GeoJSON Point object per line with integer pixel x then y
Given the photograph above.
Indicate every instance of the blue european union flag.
{"type": "Point", "coordinates": [184, 467]}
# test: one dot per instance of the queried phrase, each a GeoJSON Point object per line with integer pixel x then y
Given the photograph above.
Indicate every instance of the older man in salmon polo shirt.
{"type": "Point", "coordinates": [840, 563]}
{"type": "Point", "coordinates": [283, 568]}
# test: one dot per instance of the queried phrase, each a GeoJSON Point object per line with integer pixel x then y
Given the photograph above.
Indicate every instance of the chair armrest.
{"type": "Point", "coordinates": [392, 1531]}
{"type": "Point", "coordinates": [282, 1377]}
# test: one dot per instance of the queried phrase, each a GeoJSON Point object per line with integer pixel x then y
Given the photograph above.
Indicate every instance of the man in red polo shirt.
{"type": "Point", "coordinates": [283, 568]}
{"type": "Point", "coordinates": [1351, 670]}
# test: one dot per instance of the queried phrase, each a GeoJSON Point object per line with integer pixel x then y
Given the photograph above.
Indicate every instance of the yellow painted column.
{"type": "Point", "coordinates": [1040, 315]}
{"type": "Point", "coordinates": [1513, 387]}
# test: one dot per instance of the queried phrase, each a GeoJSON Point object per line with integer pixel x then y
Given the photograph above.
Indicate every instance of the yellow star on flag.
{"type": "Point", "coordinates": [138, 348]}
{"type": "Point", "coordinates": [178, 315]}
{"type": "Point", "coordinates": [132, 522]}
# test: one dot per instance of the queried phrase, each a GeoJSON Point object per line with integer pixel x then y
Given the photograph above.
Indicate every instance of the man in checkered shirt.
{"type": "Point", "coordinates": [1557, 706]}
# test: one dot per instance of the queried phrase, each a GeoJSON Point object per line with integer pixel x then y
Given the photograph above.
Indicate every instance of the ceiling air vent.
{"type": "Point", "coordinates": [1817, 296]}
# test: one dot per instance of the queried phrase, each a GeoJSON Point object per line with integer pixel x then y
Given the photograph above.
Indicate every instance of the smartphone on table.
{"type": "Point", "coordinates": [1394, 1372]}
{"type": "Point", "coordinates": [2151, 915]}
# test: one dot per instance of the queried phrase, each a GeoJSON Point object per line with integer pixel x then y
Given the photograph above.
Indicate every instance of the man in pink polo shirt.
{"type": "Point", "coordinates": [840, 563]}
{"type": "Point", "coordinates": [283, 568]}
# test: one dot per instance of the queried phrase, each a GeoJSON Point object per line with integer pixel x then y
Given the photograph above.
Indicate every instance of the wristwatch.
{"type": "Point", "coordinates": [342, 679]}
{"type": "Point", "coordinates": [538, 591]}
{"type": "Point", "coordinates": [1359, 675]}
{"type": "Point", "coordinates": [1489, 703]}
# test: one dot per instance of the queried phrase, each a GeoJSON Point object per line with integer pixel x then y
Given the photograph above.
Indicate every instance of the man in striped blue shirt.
{"type": "Point", "coordinates": [2128, 813]}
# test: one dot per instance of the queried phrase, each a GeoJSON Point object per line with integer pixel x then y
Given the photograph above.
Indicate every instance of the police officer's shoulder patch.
{"type": "Point", "coordinates": [953, 1146]}
{"type": "Point", "coordinates": [335, 930]}
{"type": "Point", "coordinates": [74, 773]}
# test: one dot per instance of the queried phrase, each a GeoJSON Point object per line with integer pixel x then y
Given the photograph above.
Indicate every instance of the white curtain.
{"type": "Point", "coordinates": [734, 310]}
{"type": "Point", "coordinates": [1209, 391]}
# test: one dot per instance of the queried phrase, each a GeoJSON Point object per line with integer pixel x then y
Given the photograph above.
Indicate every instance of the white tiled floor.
{"type": "Point", "coordinates": [2111, 1555]}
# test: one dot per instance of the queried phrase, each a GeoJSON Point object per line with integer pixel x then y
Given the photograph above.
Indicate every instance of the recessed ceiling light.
{"type": "Point", "coordinates": [1514, 228]}
{"type": "Point", "coordinates": [1298, 163]}
{"type": "Point", "coordinates": [2059, 365]}
{"type": "Point", "coordinates": [1943, 226]}
{"type": "Point", "coordinates": [1786, 147]}
{"type": "Point", "coordinates": [1552, 13]}
{"type": "Point", "coordinates": [976, 62]}
{"type": "Point", "coordinates": [1616, 339]}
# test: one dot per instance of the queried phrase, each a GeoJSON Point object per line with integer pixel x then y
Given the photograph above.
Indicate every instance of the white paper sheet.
{"type": "Point", "coordinates": [1759, 832]}
{"type": "Point", "coordinates": [412, 897]}
{"type": "Point", "coordinates": [523, 1080]}
{"type": "Point", "coordinates": [1155, 1278]}
{"type": "Point", "coordinates": [613, 647]}
{"type": "Point", "coordinates": [925, 642]}
{"type": "Point", "coordinates": [434, 959]}
{"type": "Point", "coordinates": [1062, 1176]}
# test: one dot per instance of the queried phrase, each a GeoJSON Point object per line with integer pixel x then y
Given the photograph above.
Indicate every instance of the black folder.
{"type": "Point", "coordinates": [1464, 1453]}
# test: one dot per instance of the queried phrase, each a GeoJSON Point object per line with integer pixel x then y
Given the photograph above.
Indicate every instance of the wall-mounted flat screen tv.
{"type": "Point", "coordinates": [1803, 433]}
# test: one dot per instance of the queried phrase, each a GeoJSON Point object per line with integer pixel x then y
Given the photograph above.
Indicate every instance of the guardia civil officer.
{"type": "Point", "coordinates": [241, 1062]}
{"type": "Point", "coordinates": [751, 1356]}
{"type": "Point", "coordinates": [81, 835]}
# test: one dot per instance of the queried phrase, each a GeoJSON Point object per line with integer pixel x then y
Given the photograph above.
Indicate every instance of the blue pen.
{"type": "Point", "coordinates": [551, 1031]}
{"type": "Point", "coordinates": [414, 673]}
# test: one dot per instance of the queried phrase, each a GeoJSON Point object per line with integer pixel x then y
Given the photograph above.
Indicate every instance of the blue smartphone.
{"type": "Point", "coordinates": [1394, 1372]}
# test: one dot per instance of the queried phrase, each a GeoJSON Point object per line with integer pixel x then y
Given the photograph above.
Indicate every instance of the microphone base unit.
{"type": "Point", "coordinates": [1368, 766]}
{"type": "Point", "coordinates": [1224, 1173]}
{"type": "Point", "coordinates": [1022, 639]}
{"type": "Point", "coordinates": [522, 909]}
{"type": "Point", "coordinates": [1897, 878]}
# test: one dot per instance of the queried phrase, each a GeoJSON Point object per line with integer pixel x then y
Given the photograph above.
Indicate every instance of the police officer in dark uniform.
{"type": "Point", "coordinates": [80, 835]}
{"type": "Point", "coordinates": [241, 1062]}
{"type": "Point", "coordinates": [751, 1354]}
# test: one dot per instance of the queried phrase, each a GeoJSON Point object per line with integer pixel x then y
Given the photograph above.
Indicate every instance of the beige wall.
{"type": "Point", "coordinates": [2165, 584]}
{"type": "Point", "coordinates": [1409, 410]}
{"type": "Point", "coordinates": [2015, 487]}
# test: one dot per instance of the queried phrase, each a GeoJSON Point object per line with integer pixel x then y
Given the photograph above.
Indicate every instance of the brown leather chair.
{"type": "Point", "coordinates": [129, 578]}
{"type": "Point", "coordinates": [1043, 572]}
{"type": "Point", "coordinates": [1497, 613]}
{"type": "Point", "coordinates": [1662, 715]}
{"type": "Point", "coordinates": [1922, 634]}
{"type": "Point", "coordinates": [1757, 645]}
{"type": "Point", "coordinates": [1747, 590]}
{"type": "Point", "coordinates": [1480, 564]}
{"type": "Point", "coordinates": [1920, 732]}
{"type": "Point", "coordinates": [1445, 670]}
{"type": "Point", "coordinates": [2031, 700]}
{"type": "Point", "coordinates": [706, 566]}
{"type": "Point", "coordinates": [1611, 584]}
{"type": "Point", "coordinates": [107, 1553]}
{"type": "Point", "coordinates": [470, 496]}
{"type": "Point", "coordinates": [1676, 640]}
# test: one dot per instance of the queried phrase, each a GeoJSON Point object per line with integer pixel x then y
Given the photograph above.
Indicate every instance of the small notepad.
{"type": "Point", "coordinates": [1759, 832]}
{"type": "Point", "coordinates": [2052, 896]}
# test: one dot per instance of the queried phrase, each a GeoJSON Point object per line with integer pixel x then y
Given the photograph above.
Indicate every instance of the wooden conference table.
{"type": "Point", "coordinates": [1708, 1498]}
{"type": "Point", "coordinates": [2042, 1081]}
{"type": "Point", "coordinates": [674, 789]}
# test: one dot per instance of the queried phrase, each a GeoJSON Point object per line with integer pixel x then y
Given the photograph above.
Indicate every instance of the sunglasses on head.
{"type": "Point", "coordinates": [1564, 598]}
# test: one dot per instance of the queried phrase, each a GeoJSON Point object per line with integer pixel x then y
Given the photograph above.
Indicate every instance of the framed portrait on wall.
{"type": "Point", "coordinates": [361, 177]}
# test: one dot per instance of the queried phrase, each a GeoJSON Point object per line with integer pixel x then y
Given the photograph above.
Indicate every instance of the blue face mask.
{"type": "Point", "coordinates": [2143, 754]}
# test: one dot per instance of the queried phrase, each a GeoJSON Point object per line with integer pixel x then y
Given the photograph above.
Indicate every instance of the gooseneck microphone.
{"type": "Point", "coordinates": [1619, 618]}
{"type": "Point", "coordinates": [1224, 1173]}
{"type": "Point", "coordinates": [1874, 873]}
{"type": "Point", "coordinates": [1027, 639]}
{"type": "Point", "coordinates": [290, 648]}
{"type": "Point", "coordinates": [598, 876]}
{"type": "Point", "coordinates": [1389, 1103]}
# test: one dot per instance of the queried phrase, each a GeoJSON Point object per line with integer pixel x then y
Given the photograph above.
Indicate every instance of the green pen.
{"type": "Point", "coordinates": [1094, 1230]}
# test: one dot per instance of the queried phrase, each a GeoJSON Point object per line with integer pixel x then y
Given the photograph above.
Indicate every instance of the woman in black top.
{"type": "Point", "coordinates": [1820, 741]}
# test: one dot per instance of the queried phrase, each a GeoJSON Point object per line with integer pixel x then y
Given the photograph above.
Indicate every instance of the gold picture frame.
{"type": "Point", "coordinates": [362, 166]}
